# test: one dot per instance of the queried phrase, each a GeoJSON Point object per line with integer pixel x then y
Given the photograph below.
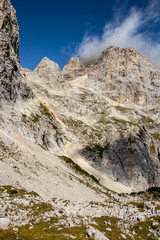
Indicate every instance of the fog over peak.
{"type": "Point", "coordinates": [137, 30]}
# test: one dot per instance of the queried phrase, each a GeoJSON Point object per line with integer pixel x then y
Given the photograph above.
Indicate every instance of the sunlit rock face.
{"type": "Point", "coordinates": [119, 113]}
{"type": "Point", "coordinates": [12, 83]}
{"type": "Point", "coordinates": [68, 136]}
{"type": "Point", "coordinates": [122, 74]}
{"type": "Point", "coordinates": [104, 112]}
{"type": "Point", "coordinates": [110, 107]}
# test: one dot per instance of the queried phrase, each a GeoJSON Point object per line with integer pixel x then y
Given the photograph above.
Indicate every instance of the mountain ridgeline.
{"type": "Point", "coordinates": [107, 111]}
{"type": "Point", "coordinates": [111, 108]}
{"type": "Point", "coordinates": [78, 146]}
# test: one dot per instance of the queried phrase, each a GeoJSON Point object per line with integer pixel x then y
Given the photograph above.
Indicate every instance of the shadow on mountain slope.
{"type": "Point", "coordinates": [127, 160]}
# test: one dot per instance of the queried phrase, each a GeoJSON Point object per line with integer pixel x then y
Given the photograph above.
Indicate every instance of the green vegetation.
{"type": "Point", "coordinates": [152, 193]}
{"type": "Point", "coordinates": [45, 112]}
{"type": "Point", "coordinates": [13, 191]}
{"type": "Point", "coordinates": [115, 232]}
{"type": "Point", "coordinates": [16, 192]}
{"type": "Point", "coordinates": [77, 168]}
{"type": "Point", "coordinates": [141, 133]}
{"type": "Point", "coordinates": [3, 147]}
{"type": "Point", "coordinates": [35, 118]}
{"type": "Point", "coordinates": [36, 209]}
{"type": "Point", "coordinates": [122, 109]}
{"type": "Point", "coordinates": [156, 136]}
{"type": "Point", "coordinates": [143, 230]}
{"type": "Point", "coordinates": [45, 231]}
{"type": "Point", "coordinates": [155, 191]}
{"type": "Point", "coordinates": [140, 206]}
{"type": "Point", "coordinates": [83, 131]}
{"type": "Point", "coordinates": [157, 208]}
{"type": "Point", "coordinates": [111, 227]}
{"type": "Point", "coordinates": [153, 150]}
{"type": "Point", "coordinates": [74, 125]}
{"type": "Point", "coordinates": [137, 193]}
{"type": "Point", "coordinates": [52, 230]}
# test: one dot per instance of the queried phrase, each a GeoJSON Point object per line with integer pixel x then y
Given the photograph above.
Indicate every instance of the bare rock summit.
{"type": "Point", "coordinates": [122, 74]}
{"type": "Point", "coordinates": [68, 137]}
{"type": "Point", "coordinates": [102, 114]}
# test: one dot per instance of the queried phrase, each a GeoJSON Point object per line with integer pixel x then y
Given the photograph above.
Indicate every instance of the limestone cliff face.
{"type": "Point", "coordinates": [9, 28]}
{"type": "Point", "coordinates": [109, 107]}
{"type": "Point", "coordinates": [12, 80]}
{"type": "Point", "coordinates": [120, 117]}
{"type": "Point", "coordinates": [121, 74]}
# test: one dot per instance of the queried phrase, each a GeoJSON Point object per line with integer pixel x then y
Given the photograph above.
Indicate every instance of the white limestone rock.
{"type": "Point", "coordinates": [94, 233]}
{"type": "Point", "coordinates": [5, 223]}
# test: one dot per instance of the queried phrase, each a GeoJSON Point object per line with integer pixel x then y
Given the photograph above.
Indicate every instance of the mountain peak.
{"type": "Point", "coordinates": [92, 127]}
{"type": "Point", "coordinates": [47, 69]}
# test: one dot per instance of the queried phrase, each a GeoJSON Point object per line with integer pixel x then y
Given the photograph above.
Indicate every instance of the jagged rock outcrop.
{"type": "Point", "coordinates": [50, 74]}
{"type": "Point", "coordinates": [121, 74]}
{"type": "Point", "coordinates": [12, 79]}
{"type": "Point", "coordinates": [94, 233]}
{"type": "Point", "coordinates": [5, 223]}
{"type": "Point", "coordinates": [104, 116]}
{"type": "Point", "coordinates": [106, 111]}
{"type": "Point", "coordinates": [121, 136]}
{"type": "Point", "coordinates": [113, 116]}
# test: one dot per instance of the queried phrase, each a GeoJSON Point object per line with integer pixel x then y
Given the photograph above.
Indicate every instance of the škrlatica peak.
{"type": "Point", "coordinates": [79, 148]}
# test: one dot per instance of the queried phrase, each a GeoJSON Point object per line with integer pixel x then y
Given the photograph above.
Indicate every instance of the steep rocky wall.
{"type": "Point", "coordinates": [119, 139]}
{"type": "Point", "coordinates": [116, 116]}
{"type": "Point", "coordinates": [122, 74]}
{"type": "Point", "coordinates": [110, 107]}
{"type": "Point", "coordinates": [12, 80]}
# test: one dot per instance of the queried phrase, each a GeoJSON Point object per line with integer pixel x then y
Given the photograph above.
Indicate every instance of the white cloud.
{"type": "Point", "coordinates": [133, 31]}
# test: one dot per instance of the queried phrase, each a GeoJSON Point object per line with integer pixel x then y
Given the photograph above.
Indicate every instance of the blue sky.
{"type": "Point", "coordinates": [61, 29]}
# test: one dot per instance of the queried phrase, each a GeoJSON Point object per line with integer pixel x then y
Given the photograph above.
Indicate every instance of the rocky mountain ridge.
{"type": "Point", "coordinates": [124, 75]}
{"type": "Point", "coordinates": [71, 135]}
{"type": "Point", "coordinates": [114, 119]}
{"type": "Point", "coordinates": [108, 109]}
